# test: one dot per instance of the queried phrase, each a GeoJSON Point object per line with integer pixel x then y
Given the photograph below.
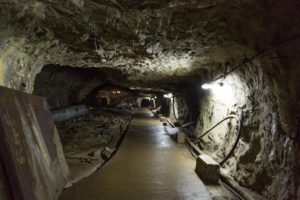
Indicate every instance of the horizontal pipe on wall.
{"type": "Point", "coordinates": [71, 112]}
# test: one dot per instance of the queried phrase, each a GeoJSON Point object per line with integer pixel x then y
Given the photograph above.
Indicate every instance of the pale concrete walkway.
{"type": "Point", "coordinates": [149, 165]}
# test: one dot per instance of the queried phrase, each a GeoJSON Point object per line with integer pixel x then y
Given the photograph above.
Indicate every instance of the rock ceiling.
{"type": "Point", "coordinates": [147, 41]}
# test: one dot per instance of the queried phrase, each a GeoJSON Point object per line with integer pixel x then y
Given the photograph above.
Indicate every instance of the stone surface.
{"type": "Point", "coordinates": [181, 137]}
{"type": "Point", "coordinates": [64, 86]}
{"type": "Point", "coordinates": [207, 169]}
{"type": "Point", "coordinates": [4, 194]}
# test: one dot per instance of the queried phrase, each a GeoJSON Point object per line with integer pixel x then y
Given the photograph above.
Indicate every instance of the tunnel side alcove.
{"type": "Point", "coordinates": [65, 86]}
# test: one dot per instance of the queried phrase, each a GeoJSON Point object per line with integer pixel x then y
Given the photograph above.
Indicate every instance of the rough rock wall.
{"type": "Point", "coordinates": [64, 86]}
{"type": "Point", "coordinates": [265, 159]}
{"type": "Point", "coordinates": [3, 192]}
{"type": "Point", "coordinates": [178, 109]}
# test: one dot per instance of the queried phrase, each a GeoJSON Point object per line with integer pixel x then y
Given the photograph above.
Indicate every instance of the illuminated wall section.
{"type": "Point", "coordinates": [222, 98]}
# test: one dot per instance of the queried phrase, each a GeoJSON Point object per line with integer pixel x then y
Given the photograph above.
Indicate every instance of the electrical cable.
{"type": "Point", "coordinates": [217, 124]}
{"type": "Point", "coordinates": [235, 143]}
{"type": "Point", "coordinates": [239, 121]}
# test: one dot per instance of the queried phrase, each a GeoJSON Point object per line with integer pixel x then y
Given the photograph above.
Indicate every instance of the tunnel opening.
{"type": "Point", "coordinates": [145, 103]}
{"type": "Point", "coordinates": [65, 86]}
{"type": "Point", "coordinates": [92, 113]}
{"type": "Point", "coordinates": [238, 149]}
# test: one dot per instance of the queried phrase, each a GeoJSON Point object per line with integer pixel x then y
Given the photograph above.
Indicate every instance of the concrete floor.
{"type": "Point", "coordinates": [148, 165]}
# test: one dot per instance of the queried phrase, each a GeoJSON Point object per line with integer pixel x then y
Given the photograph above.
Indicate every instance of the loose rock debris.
{"type": "Point", "coordinates": [86, 139]}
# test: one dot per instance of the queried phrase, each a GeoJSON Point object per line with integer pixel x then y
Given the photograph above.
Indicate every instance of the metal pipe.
{"type": "Point", "coordinates": [71, 112]}
{"type": "Point", "coordinates": [171, 123]}
{"type": "Point", "coordinates": [225, 178]}
{"type": "Point", "coordinates": [192, 151]}
{"type": "Point", "coordinates": [189, 142]}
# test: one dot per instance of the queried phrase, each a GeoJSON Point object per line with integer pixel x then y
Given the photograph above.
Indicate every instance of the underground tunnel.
{"type": "Point", "coordinates": [149, 99]}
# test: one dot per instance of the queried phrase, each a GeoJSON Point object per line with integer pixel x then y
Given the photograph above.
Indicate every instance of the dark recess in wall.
{"type": "Point", "coordinates": [64, 86]}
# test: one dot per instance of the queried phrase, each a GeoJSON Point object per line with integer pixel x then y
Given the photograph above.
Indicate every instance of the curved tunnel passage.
{"type": "Point", "coordinates": [193, 62]}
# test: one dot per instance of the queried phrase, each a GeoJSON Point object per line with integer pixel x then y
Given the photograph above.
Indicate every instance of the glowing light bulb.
{"type": "Point", "coordinates": [170, 95]}
{"type": "Point", "coordinates": [206, 86]}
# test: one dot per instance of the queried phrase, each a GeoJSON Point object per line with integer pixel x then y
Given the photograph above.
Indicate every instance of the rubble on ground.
{"type": "Point", "coordinates": [86, 138]}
